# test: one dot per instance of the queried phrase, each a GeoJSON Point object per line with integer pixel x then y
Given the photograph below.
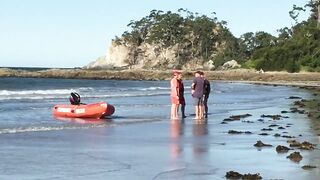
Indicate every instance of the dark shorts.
{"type": "Point", "coordinates": [197, 101]}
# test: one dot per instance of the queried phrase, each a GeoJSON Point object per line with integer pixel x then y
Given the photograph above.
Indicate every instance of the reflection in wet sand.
{"type": "Point", "coordinates": [200, 143]}
{"type": "Point", "coordinates": [176, 131]}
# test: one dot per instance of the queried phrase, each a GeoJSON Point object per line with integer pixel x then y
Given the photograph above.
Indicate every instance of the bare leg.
{"type": "Point", "coordinates": [197, 112]}
{"type": "Point", "coordinates": [174, 111]}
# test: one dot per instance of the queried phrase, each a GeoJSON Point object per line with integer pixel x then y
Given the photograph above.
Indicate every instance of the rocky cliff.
{"type": "Point", "coordinates": [172, 40]}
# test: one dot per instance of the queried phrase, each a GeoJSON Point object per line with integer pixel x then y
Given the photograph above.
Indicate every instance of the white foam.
{"type": "Point", "coordinates": [35, 92]}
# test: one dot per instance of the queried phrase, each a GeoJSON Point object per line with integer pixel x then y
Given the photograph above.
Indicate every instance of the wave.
{"type": "Point", "coordinates": [87, 92]}
{"type": "Point", "coordinates": [79, 124]}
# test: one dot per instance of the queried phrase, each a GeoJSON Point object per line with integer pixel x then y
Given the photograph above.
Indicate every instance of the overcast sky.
{"type": "Point", "coordinates": [72, 33]}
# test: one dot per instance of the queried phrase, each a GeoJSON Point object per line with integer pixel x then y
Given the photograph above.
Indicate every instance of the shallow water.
{"type": "Point", "coordinates": [139, 141]}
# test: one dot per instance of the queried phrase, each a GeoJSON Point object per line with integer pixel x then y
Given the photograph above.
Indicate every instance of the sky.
{"type": "Point", "coordinates": [73, 33]}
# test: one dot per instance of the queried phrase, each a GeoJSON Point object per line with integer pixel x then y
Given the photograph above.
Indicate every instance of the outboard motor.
{"type": "Point", "coordinates": [74, 98]}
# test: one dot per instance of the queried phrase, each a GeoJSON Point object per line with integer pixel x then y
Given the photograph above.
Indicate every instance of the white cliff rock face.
{"type": "Point", "coordinates": [230, 65]}
{"type": "Point", "coordinates": [117, 56]}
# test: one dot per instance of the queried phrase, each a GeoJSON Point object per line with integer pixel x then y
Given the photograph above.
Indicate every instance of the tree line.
{"type": "Point", "coordinates": [206, 38]}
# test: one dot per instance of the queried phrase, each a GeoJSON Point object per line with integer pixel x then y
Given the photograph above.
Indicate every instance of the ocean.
{"type": "Point", "coordinates": [140, 141]}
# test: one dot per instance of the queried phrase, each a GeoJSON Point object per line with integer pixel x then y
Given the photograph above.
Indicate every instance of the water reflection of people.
{"type": "Point", "coordinates": [176, 131]}
{"type": "Point", "coordinates": [200, 132]}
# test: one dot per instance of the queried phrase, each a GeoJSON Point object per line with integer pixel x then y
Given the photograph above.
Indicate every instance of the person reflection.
{"type": "Point", "coordinates": [176, 131]}
{"type": "Point", "coordinates": [200, 140]}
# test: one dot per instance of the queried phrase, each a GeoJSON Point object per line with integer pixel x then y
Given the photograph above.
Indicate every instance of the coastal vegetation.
{"type": "Point", "coordinates": [200, 39]}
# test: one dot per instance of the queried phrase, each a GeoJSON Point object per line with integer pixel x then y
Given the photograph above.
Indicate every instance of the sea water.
{"type": "Point", "coordinates": [139, 141]}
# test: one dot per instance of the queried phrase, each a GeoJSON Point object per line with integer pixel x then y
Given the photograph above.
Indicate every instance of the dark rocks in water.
{"type": "Point", "coordinates": [228, 120]}
{"type": "Point", "coordinates": [307, 146]}
{"type": "Point", "coordinates": [308, 167]}
{"type": "Point", "coordinates": [239, 132]}
{"type": "Point", "coordinates": [261, 120]}
{"type": "Point", "coordinates": [261, 144]}
{"type": "Point", "coordinates": [267, 129]}
{"type": "Point", "coordinates": [304, 145]}
{"type": "Point", "coordinates": [273, 125]}
{"type": "Point", "coordinates": [252, 176]}
{"type": "Point", "coordinates": [263, 134]}
{"type": "Point", "coordinates": [294, 97]}
{"type": "Point", "coordinates": [281, 127]}
{"type": "Point", "coordinates": [295, 156]}
{"type": "Point", "coordinates": [236, 175]}
{"type": "Point", "coordinates": [274, 117]}
{"type": "Point", "coordinates": [223, 122]}
{"type": "Point", "coordinates": [299, 103]}
{"type": "Point", "coordinates": [283, 112]}
{"type": "Point", "coordinates": [247, 121]}
{"type": "Point", "coordinates": [233, 175]}
{"type": "Point", "coordinates": [294, 143]}
{"type": "Point", "coordinates": [237, 117]}
{"type": "Point", "coordinates": [282, 149]}
{"type": "Point", "coordinates": [285, 136]}
{"type": "Point", "coordinates": [277, 135]}
{"type": "Point", "coordinates": [296, 110]}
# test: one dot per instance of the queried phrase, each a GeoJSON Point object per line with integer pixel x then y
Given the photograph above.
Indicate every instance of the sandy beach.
{"type": "Point", "coordinates": [245, 75]}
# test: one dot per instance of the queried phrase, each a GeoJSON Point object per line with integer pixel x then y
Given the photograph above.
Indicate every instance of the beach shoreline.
{"type": "Point", "coordinates": [237, 75]}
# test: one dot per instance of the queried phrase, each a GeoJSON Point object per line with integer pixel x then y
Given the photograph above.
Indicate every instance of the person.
{"type": "Point", "coordinates": [197, 94]}
{"type": "Point", "coordinates": [174, 96]}
{"type": "Point", "coordinates": [181, 95]}
{"type": "Point", "coordinates": [206, 92]}
{"type": "Point", "coordinates": [74, 98]}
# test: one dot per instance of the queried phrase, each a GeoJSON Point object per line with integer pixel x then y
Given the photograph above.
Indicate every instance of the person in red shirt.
{"type": "Point", "coordinates": [175, 95]}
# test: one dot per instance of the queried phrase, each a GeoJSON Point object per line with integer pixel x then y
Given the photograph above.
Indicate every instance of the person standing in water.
{"type": "Point", "coordinates": [174, 96]}
{"type": "Point", "coordinates": [197, 94]}
{"type": "Point", "coordinates": [206, 92]}
{"type": "Point", "coordinates": [181, 95]}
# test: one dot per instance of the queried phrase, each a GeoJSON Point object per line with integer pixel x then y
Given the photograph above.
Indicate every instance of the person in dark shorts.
{"type": "Point", "coordinates": [181, 95]}
{"type": "Point", "coordinates": [197, 94]}
{"type": "Point", "coordinates": [206, 92]}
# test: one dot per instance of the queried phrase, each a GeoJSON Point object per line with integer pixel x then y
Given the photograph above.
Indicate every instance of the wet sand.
{"type": "Point", "coordinates": [164, 149]}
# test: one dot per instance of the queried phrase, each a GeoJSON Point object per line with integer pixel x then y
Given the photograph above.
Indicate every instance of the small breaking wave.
{"type": "Point", "coordinates": [76, 124]}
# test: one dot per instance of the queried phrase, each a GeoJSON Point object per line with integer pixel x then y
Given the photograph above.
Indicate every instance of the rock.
{"type": "Point", "coordinates": [252, 176]}
{"type": "Point", "coordinates": [274, 117]}
{"type": "Point", "coordinates": [263, 134]}
{"type": "Point", "coordinates": [230, 65]}
{"type": "Point", "coordinates": [209, 65]}
{"type": "Point", "coordinates": [238, 117]}
{"type": "Point", "coordinates": [261, 144]}
{"type": "Point", "coordinates": [236, 175]}
{"type": "Point", "coordinates": [308, 167]}
{"type": "Point", "coordinates": [282, 149]}
{"type": "Point", "coordinates": [294, 97]}
{"type": "Point", "coordinates": [267, 129]}
{"type": "Point", "coordinates": [233, 175]}
{"type": "Point", "coordinates": [307, 146]}
{"type": "Point", "coordinates": [277, 135]}
{"type": "Point", "coordinates": [239, 132]}
{"type": "Point", "coordinates": [295, 156]}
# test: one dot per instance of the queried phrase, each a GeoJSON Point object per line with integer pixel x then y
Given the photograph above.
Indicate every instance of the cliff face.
{"type": "Point", "coordinates": [148, 56]}
{"type": "Point", "coordinates": [166, 40]}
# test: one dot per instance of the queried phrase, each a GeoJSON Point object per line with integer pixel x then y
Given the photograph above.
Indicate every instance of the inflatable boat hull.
{"type": "Point", "coordinates": [96, 110]}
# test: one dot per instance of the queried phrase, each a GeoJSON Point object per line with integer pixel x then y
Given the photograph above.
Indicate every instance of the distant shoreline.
{"type": "Point", "coordinates": [237, 75]}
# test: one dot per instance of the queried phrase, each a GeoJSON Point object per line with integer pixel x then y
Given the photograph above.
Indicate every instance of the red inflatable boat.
{"type": "Point", "coordinates": [96, 110]}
